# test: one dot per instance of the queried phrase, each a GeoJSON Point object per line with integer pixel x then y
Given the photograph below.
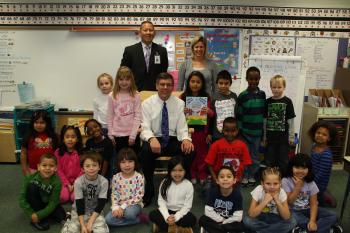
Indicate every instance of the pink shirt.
{"type": "Point", "coordinates": [68, 167]}
{"type": "Point", "coordinates": [123, 115]}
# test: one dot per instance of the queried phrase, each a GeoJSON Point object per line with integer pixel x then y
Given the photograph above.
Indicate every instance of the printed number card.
{"type": "Point", "coordinates": [196, 115]}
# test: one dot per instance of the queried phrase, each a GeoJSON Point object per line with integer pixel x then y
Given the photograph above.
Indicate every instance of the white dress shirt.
{"type": "Point", "coordinates": [179, 198]}
{"type": "Point", "coordinates": [152, 118]}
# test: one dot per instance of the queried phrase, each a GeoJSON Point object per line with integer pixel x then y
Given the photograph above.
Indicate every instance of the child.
{"type": "Point", "coordinates": [41, 139]}
{"type": "Point", "coordinates": [90, 198]}
{"type": "Point", "coordinates": [279, 130]}
{"type": "Point", "coordinates": [229, 151]}
{"type": "Point", "coordinates": [322, 134]}
{"type": "Point", "coordinates": [195, 86]}
{"type": "Point", "coordinates": [127, 191]}
{"type": "Point", "coordinates": [105, 84]}
{"type": "Point", "coordinates": [69, 160]}
{"type": "Point", "coordinates": [302, 197]}
{"type": "Point", "coordinates": [124, 111]}
{"type": "Point", "coordinates": [174, 200]}
{"type": "Point", "coordinates": [99, 143]}
{"type": "Point", "coordinates": [40, 193]}
{"type": "Point", "coordinates": [250, 116]}
{"type": "Point", "coordinates": [268, 211]}
{"type": "Point", "coordinates": [224, 102]}
{"type": "Point", "coordinates": [224, 208]}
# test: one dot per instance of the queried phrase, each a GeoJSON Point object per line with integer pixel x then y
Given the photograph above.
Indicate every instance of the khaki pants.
{"type": "Point", "coordinates": [73, 226]}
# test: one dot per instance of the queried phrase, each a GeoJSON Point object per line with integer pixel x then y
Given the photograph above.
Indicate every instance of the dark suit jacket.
{"type": "Point", "coordinates": [133, 58]}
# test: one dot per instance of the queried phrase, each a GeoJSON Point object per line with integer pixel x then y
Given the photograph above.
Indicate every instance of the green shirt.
{"type": "Point", "coordinates": [49, 193]}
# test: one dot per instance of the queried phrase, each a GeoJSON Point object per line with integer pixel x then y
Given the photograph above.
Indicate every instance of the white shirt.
{"type": "Point", "coordinates": [179, 198]}
{"type": "Point", "coordinates": [152, 118]}
{"type": "Point", "coordinates": [100, 109]}
{"type": "Point", "coordinates": [258, 194]}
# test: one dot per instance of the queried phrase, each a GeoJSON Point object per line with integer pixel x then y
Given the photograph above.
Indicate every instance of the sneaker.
{"type": "Point", "coordinates": [296, 230]}
{"type": "Point", "coordinates": [194, 181]}
{"type": "Point", "coordinates": [143, 218]}
{"type": "Point", "coordinates": [251, 181]}
{"type": "Point", "coordinates": [172, 228]}
{"type": "Point", "coordinates": [184, 230]}
{"type": "Point", "coordinates": [41, 226]}
{"type": "Point", "coordinates": [155, 228]}
{"type": "Point", "coordinates": [244, 182]}
{"type": "Point", "coordinates": [336, 229]}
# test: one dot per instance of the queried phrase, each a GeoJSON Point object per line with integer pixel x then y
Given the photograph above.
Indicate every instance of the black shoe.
{"type": "Point", "coordinates": [41, 226]}
{"type": "Point", "coordinates": [337, 229]}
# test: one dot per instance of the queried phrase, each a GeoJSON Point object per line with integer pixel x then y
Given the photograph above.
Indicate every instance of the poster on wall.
{"type": "Point", "coordinates": [268, 45]}
{"type": "Point", "coordinates": [223, 48]}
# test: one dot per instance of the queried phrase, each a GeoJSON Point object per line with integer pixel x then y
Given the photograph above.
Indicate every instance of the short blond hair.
{"type": "Point", "coordinates": [278, 78]}
{"type": "Point", "coordinates": [104, 75]}
{"type": "Point", "coordinates": [196, 40]}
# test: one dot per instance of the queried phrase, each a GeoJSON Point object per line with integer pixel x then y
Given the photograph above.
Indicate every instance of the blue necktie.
{"type": "Point", "coordinates": [165, 126]}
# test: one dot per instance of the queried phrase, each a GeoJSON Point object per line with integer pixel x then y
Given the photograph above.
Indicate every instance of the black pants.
{"type": "Point", "coordinates": [277, 155]}
{"type": "Point", "coordinates": [147, 158]}
{"type": "Point", "coordinates": [189, 220]}
{"type": "Point", "coordinates": [121, 142]}
{"type": "Point", "coordinates": [35, 201]}
{"type": "Point", "coordinates": [213, 227]}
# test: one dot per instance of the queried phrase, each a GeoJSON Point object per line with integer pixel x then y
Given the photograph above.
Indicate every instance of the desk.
{"type": "Point", "coordinates": [347, 189]}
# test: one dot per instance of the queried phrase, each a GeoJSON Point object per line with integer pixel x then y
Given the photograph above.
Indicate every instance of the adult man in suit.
{"type": "Point", "coordinates": [146, 59]}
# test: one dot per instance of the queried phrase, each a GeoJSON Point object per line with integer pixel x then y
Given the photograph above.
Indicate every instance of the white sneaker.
{"type": "Point", "coordinates": [244, 182]}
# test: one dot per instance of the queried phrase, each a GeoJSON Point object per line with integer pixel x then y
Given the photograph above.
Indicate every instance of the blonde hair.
{"type": "Point", "coordinates": [124, 71]}
{"type": "Point", "coordinates": [270, 171]}
{"type": "Point", "coordinates": [104, 75]}
{"type": "Point", "coordinates": [278, 78]}
{"type": "Point", "coordinates": [196, 40]}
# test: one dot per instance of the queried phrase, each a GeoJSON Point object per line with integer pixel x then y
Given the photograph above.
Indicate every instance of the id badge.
{"type": "Point", "coordinates": [157, 59]}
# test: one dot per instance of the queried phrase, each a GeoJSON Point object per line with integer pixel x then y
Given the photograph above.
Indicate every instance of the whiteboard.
{"type": "Point", "coordinates": [289, 67]}
{"type": "Point", "coordinates": [62, 65]}
{"type": "Point", "coordinates": [320, 56]}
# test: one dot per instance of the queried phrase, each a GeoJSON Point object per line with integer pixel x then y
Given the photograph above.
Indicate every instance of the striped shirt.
{"type": "Point", "coordinates": [250, 112]}
{"type": "Point", "coordinates": [322, 167]}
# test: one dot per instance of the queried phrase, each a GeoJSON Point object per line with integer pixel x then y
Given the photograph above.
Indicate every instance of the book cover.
{"type": "Point", "coordinates": [196, 116]}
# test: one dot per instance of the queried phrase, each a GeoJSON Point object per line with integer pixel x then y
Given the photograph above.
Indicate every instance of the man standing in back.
{"type": "Point", "coordinates": [146, 59]}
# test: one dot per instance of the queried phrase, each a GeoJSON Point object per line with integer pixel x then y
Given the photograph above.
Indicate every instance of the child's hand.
{"type": "Point", "coordinates": [208, 139]}
{"type": "Point", "coordinates": [171, 219]}
{"type": "Point", "coordinates": [112, 139]}
{"type": "Point", "coordinates": [312, 226]}
{"type": "Point", "coordinates": [275, 197]}
{"type": "Point", "coordinates": [187, 110]}
{"type": "Point", "coordinates": [70, 188]}
{"type": "Point", "coordinates": [118, 213]}
{"type": "Point", "coordinates": [204, 110]}
{"type": "Point", "coordinates": [35, 218]}
{"type": "Point", "coordinates": [89, 225]}
{"type": "Point", "coordinates": [268, 198]}
{"type": "Point", "coordinates": [299, 182]}
{"type": "Point", "coordinates": [131, 142]}
{"type": "Point", "coordinates": [291, 142]}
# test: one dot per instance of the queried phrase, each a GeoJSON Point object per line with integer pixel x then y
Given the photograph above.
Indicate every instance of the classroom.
{"type": "Point", "coordinates": [51, 53]}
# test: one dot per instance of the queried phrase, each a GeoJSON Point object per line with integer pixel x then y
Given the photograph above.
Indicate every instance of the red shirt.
{"type": "Point", "coordinates": [38, 146]}
{"type": "Point", "coordinates": [235, 154]}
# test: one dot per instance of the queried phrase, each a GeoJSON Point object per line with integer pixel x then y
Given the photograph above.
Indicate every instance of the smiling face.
{"type": "Point", "coordinates": [253, 79]}
{"type": "Point", "coordinates": [164, 88]}
{"type": "Point", "coordinates": [300, 172]}
{"type": "Point", "coordinates": [105, 85]}
{"type": "Point", "coordinates": [127, 167]}
{"type": "Point", "coordinates": [91, 168]}
{"type": "Point", "coordinates": [70, 139]}
{"type": "Point", "coordinates": [147, 33]}
{"type": "Point", "coordinates": [94, 130]}
{"type": "Point", "coordinates": [195, 84]}
{"type": "Point", "coordinates": [271, 184]}
{"type": "Point", "coordinates": [198, 50]}
{"type": "Point", "coordinates": [47, 167]}
{"type": "Point", "coordinates": [124, 83]}
{"type": "Point", "coordinates": [322, 136]}
{"type": "Point", "coordinates": [277, 89]}
{"type": "Point", "coordinates": [230, 131]}
{"type": "Point", "coordinates": [39, 125]}
{"type": "Point", "coordinates": [178, 173]}
{"type": "Point", "coordinates": [226, 179]}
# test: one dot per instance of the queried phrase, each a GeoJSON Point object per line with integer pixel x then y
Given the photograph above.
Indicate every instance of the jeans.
{"type": "Point", "coordinates": [325, 219]}
{"type": "Point", "coordinates": [253, 144]}
{"type": "Point", "coordinates": [130, 217]}
{"type": "Point", "coordinates": [269, 223]}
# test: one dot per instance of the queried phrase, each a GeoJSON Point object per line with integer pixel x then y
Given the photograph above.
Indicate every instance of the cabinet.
{"type": "Point", "coordinates": [22, 116]}
{"type": "Point", "coordinates": [337, 116]}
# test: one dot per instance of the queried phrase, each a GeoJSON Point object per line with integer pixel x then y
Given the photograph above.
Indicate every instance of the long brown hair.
{"type": "Point", "coordinates": [124, 71]}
